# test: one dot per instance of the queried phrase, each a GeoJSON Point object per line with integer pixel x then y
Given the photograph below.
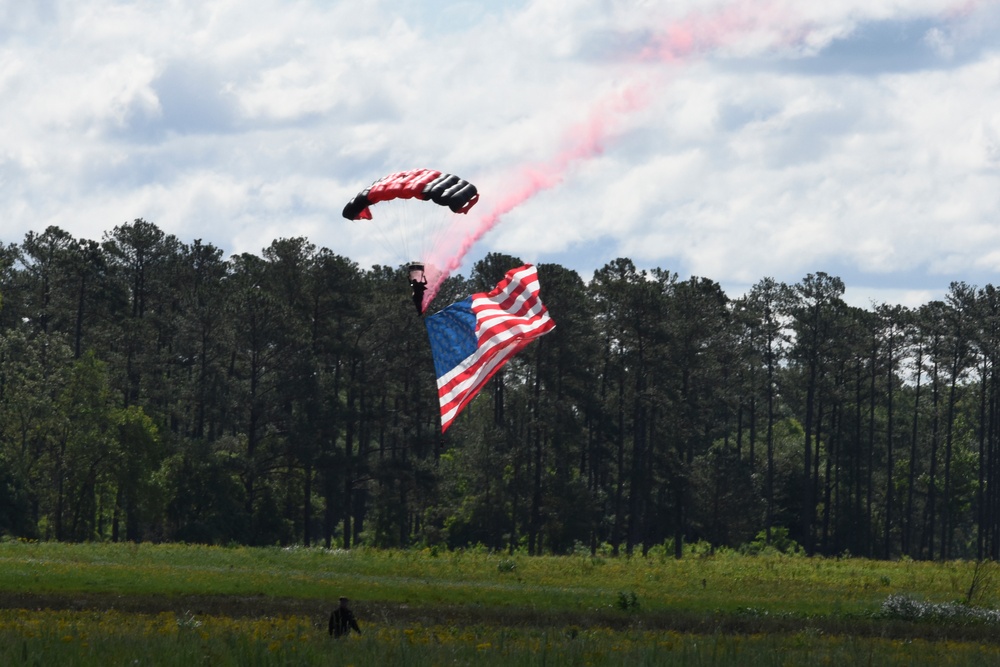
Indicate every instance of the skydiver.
{"type": "Point", "coordinates": [342, 620]}
{"type": "Point", "coordinates": [419, 287]}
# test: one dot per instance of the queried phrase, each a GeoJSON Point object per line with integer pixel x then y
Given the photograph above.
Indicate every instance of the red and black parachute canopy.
{"type": "Point", "coordinates": [427, 184]}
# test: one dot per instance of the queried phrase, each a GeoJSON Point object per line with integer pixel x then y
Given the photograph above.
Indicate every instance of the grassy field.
{"type": "Point", "coordinates": [107, 604]}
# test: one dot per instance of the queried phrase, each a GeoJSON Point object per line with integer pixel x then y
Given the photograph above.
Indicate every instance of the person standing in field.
{"type": "Point", "coordinates": [342, 620]}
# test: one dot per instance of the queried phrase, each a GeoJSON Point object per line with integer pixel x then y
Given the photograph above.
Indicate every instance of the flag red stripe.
{"type": "Point", "coordinates": [456, 390]}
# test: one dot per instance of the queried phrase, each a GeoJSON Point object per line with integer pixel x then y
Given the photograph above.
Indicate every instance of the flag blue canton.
{"type": "Point", "coordinates": [452, 333]}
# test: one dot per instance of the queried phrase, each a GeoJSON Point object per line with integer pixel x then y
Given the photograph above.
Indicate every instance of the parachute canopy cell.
{"type": "Point", "coordinates": [426, 184]}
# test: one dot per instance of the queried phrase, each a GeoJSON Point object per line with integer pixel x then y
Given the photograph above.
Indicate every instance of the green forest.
{"type": "Point", "coordinates": [152, 389]}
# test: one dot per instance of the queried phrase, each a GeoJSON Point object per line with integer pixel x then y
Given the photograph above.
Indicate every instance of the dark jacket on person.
{"type": "Point", "coordinates": [342, 621]}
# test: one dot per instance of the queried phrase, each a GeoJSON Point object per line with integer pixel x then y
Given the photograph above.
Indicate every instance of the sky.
{"type": "Point", "coordinates": [733, 140]}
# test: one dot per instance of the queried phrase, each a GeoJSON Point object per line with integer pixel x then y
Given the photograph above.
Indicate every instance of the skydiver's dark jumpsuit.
{"type": "Point", "coordinates": [419, 287]}
{"type": "Point", "coordinates": [342, 621]}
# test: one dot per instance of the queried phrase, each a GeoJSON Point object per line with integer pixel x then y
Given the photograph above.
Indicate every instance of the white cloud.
{"type": "Point", "coordinates": [776, 148]}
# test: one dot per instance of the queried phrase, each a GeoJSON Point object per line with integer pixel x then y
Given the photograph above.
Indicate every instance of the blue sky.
{"type": "Point", "coordinates": [860, 138]}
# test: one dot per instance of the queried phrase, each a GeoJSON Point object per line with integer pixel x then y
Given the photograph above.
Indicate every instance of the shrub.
{"type": "Point", "coordinates": [628, 601]}
{"type": "Point", "coordinates": [780, 543]}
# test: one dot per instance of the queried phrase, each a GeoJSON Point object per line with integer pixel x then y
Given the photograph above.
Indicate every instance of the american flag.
{"type": "Point", "coordinates": [472, 339]}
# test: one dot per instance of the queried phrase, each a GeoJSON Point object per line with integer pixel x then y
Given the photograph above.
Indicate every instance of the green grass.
{"type": "Point", "coordinates": [728, 582]}
{"type": "Point", "coordinates": [111, 638]}
{"type": "Point", "coordinates": [212, 605]}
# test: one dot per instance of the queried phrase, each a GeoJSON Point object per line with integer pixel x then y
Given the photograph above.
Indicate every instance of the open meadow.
{"type": "Point", "coordinates": [128, 604]}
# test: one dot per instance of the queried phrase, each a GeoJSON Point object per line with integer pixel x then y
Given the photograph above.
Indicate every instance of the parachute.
{"type": "Point", "coordinates": [408, 231]}
{"type": "Point", "coordinates": [427, 184]}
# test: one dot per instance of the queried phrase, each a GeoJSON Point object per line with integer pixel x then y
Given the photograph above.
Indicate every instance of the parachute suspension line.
{"type": "Point", "coordinates": [438, 228]}
{"type": "Point", "coordinates": [389, 247]}
{"type": "Point", "coordinates": [398, 227]}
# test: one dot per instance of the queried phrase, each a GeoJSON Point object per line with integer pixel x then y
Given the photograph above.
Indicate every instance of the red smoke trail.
{"type": "Point", "coordinates": [586, 141]}
{"type": "Point", "coordinates": [699, 33]}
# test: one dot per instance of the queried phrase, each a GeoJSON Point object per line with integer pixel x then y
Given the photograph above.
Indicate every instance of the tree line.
{"type": "Point", "coordinates": [152, 389]}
